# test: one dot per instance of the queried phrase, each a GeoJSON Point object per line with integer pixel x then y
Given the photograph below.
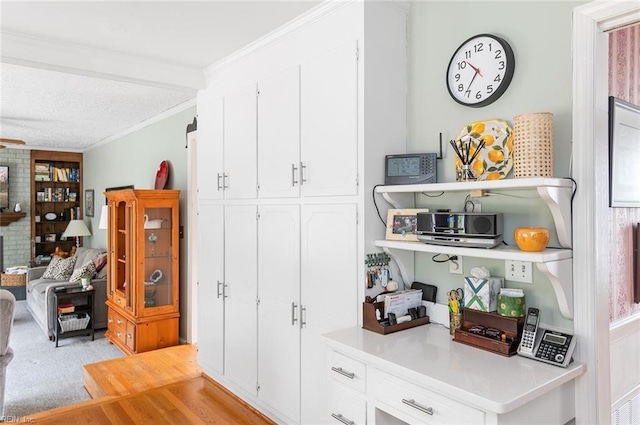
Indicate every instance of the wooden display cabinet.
{"type": "Point", "coordinates": [143, 279]}
{"type": "Point", "coordinates": [56, 193]}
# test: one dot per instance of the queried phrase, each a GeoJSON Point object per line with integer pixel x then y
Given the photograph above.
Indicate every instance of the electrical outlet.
{"type": "Point", "coordinates": [519, 271]}
{"type": "Point", "coordinates": [455, 266]}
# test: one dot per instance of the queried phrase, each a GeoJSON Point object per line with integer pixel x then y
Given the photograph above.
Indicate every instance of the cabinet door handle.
{"type": "Point", "coordinates": [110, 320]}
{"type": "Point", "coordinates": [225, 181]}
{"type": "Point", "coordinates": [119, 321]}
{"type": "Point", "coordinates": [293, 313]}
{"type": "Point", "coordinates": [129, 336]}
{"type": "Point", "coordinates": [218, 291]}
{"type": "Point", "coordinates": [293, 174]}
{"type": "Point", "coordinates": [303, 311]}
{"type": "Point", "coordinates": [224, 290]}
{"type": "Point", "coordinates": [302, 170]}
{"type": "Point", "coordinates": [412, 403]}
{"type": "Point", "coordinates": [219, 184]}
{"type": "Point", "coordinates": [342, 419]}
{"type": "Point", "coordinates": [343, 372]}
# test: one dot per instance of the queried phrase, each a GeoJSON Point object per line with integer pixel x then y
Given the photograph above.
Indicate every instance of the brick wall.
{"type": "Point", "coordinates": [17, 235]}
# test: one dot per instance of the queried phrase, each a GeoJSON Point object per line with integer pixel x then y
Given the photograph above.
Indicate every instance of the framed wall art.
{"type": "Point", "coordinates": [88, 202]}
{"type": "Point", "coordinates": [401, 224]}
{"type": "Point", "coordinates": [624, 153]}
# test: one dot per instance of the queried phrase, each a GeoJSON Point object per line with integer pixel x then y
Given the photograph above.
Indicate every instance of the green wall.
{"type": "Point", "coordinates": [540, 35]}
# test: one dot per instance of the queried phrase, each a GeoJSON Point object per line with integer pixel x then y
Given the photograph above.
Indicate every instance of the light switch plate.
{"type": "Point", "coordinates": [518, 271]}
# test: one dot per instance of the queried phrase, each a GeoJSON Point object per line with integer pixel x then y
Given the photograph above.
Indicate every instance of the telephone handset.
{"type": "Point", "coordinates": [543, 344]}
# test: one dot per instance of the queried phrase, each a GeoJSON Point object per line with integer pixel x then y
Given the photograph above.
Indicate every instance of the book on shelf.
{"type": "Point", "coordinates": [66, 308]}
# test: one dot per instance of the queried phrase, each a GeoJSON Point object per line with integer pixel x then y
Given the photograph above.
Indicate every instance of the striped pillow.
{"type": "Point", "coordinates": [60, 269]}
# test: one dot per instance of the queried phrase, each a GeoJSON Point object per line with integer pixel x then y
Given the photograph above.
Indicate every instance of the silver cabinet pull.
{"type": "Point", "coordinates": [225, 181]}
{"type": "Point", "coordinates": [224, 290]}
{"type": "Point", "coordinates": [412, 403]}
{"type": "Point", "coordinates": [293, 313]}
{"type": "Point", "coordinates": [218, 292]}
{"type": "Point", "coordinates": [302, 170]}
{"type": "Point", "coordinates": [293, 174]}
{"type": "Point", "coordinates": [219, 185]}
{"type": "Point", "coordinates": [303, 311]}
{"type": "Point", "coordinates": [343, 372]}
{"type": "Point", "coordinates": [342, 419]}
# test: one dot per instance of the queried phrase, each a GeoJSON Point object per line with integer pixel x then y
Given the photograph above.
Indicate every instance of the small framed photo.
{"type": "Point", "coordinates": [88, 202]}
{"type": "Point", "coordinates": [40, 197]}
{"type": "Point", "coordinates": [624, 153]}
{"type": "Point", "coordinates": [402, 224]}
{"type": "Point", "coordinates": [50, 237]}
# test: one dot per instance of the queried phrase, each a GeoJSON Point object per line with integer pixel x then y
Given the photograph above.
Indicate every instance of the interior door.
{"type": "Point", "coordinates": [240, 310]}
{"type": "Point", "coordinates": [279, 135]}
{"type": "Point", "coordinates": [240, 146]}
{"type": "Point", "coordinates": [329, 294]}
{"type": "Point", "coordinates": [279, 308]}
{"type": "Point", "coordinates": [210, 147]}
{"type": "Point", "coordinates": [329, 123]}
{"type": "Point", "coordinates": [210, 287]}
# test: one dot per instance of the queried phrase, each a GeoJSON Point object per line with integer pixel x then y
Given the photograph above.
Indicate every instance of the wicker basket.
{"type": "Point", "coordinates": [14, 279]}
{"type": "Point", "coordinates": [533, 145]}
{"type": "Point", "coordinates": [73, 322]}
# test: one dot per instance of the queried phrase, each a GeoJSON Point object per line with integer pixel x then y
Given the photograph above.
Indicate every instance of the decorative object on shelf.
{"type": "Point", "coordinates": [624, 153]}
{"type": "Point", "coordinates": [50, 237]}
{"type": "Point", "coordinates": [490, 146]}
{"type": "Point", "coordinates": [152, 224]}
{"type": "Point", "coordinates": [487, 61]}
{"type": "Point", "coordinates": [51, 216]}
{"type": "Point", "coordinates": [378, 270]}
{"type": "Point", "coordinates": [17, 208]}
{"type": "Point", "coordinates": [531, 239]}
{"type": "Point", "coordinates": [156, 276]}
{"type": "Point", "coordinates": [402, 224]}
{"type": "Point", "coordinates": [88, 202]}
{"type": "Point", "coordinates": [533, 145]}
{"type": "Point", "coordinates": [76, 229]}
{"type": "Point", "coordinates": [511, 303]}
{"type": "Point", "coordinates": [162, 175]}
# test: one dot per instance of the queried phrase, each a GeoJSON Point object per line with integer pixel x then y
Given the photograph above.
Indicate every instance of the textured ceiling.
{"type": "Point", "coordinates": [75, 74]}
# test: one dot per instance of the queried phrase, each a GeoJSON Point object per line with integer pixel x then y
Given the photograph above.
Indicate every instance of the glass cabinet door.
{"type": "Point", "coordinates": [157, 257]}
{"type": "Point", "coordinates": [122, 254]}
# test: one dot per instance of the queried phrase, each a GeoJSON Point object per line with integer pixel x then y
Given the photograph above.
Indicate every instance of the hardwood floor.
{"type": "Point", "coordinates": [157, 387]}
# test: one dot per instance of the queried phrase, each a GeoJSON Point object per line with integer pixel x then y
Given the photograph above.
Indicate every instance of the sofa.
{"type": "Point", "coordinates": [7, 312]}
{"type": "Point", "coordinates": [40, 287]}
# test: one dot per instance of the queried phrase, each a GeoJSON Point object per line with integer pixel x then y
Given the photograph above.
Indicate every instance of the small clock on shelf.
{"type": "Point", "coordinates": [480, 70]}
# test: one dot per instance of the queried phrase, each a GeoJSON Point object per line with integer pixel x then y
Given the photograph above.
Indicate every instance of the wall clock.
{"type": "Point", "coordinates": [480, 70]}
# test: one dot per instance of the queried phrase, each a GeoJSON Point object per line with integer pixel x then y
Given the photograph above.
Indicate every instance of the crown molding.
{"type": "Point", "coordinates": [37, 52]}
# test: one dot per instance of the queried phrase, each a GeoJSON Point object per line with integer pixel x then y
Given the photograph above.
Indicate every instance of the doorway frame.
{"type": "Point", "coordinates": [590, 209]}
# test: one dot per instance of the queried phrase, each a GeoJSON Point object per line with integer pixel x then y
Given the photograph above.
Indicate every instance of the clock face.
{"type": "Point", "coordinates": [480, 70]}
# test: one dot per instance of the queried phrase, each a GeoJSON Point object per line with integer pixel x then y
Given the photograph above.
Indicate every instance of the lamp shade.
{"type": "Point", "coordinates": [104, 216]}
{"type": "Point", "coordinates": [76, 228]}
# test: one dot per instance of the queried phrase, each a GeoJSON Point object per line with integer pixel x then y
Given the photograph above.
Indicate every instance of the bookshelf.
{"type": "Point", "coordinates": [56, 192]}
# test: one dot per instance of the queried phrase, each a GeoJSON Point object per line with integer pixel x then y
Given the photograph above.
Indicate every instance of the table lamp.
{"type": "Point", "coordinates": [75, 229]}
{"type": "Point", "coordinates": [104, 216]}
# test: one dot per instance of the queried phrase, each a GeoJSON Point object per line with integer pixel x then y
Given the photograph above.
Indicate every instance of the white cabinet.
{"type": "Point", "coordinates": [240, 309]}
{"type": "Point", "coordinates": [211, 290]}
{"type": "Point", "coordinates": [279, 135]}
{"type": "Point", "coordinates": [279, 309]}
{"type": "Point", "coordinates": [329, 111]}
{"type": "Point", "coordinates": [211, 147]}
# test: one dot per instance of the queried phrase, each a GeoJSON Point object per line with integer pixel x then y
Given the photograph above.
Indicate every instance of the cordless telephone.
{"type": "Point", "coordinates": [545, 345]}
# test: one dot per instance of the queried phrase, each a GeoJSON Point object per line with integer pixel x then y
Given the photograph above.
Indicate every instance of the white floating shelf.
{"type": "Point", "coordinates": [497, 253]}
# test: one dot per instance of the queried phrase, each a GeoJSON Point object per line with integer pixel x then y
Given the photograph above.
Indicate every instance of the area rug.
{"type": "Point", "coordinates": [43, 377]}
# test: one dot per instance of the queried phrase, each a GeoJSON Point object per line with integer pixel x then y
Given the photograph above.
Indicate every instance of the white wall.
{"type": "Point", "coordinates": [540, 35]}
{"type": "Point", "coordinates": [134, 160]}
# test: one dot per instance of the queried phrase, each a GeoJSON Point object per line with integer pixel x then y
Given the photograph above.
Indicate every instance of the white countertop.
{"type": "Point", "coordinates": [428, 356]}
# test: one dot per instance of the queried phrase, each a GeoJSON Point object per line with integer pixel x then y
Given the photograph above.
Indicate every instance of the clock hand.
{"type": "Point", "coordinates": [474, 77]}
{"type": "Point", "coordinates": [477, 70]}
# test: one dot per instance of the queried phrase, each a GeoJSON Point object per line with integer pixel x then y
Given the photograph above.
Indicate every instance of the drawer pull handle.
{"type": "Point", "coordinates": [412, 403]}
{"type": "Point", "coordinates": [341, 371]}
{"type": "Point", "coordinates": [342, 419]}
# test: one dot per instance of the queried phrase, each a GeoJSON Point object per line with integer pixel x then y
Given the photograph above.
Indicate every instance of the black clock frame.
{"type": "Point", "coordinates": [508, 75]}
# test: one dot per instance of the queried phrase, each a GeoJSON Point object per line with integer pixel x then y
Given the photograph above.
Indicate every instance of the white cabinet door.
{"type": "Point", "coordinates": [279, 309]}
{"type": "Point", "coordinates": [210, 288]}
{"type": "Point", "coordinates": [329, 294]}
{"type": "Point", "coordinates": [240, 265]}
{"type": "Point", "coordinates": [279, 135]}
{"type": "Point", "coordinates": [329, 123]}
{"type": "Point", "coordinates": [240, 148]}
{"type": "Point", "coordinates": [210, 147]}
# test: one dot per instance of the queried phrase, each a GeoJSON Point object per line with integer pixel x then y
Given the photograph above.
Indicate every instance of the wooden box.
{"type": "Point", "coordinates": [370, 322]}
{"type": "Point", "coordinates": [510, 326]}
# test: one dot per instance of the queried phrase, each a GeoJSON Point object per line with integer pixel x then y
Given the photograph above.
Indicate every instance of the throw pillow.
{"type": "Point", "coordinates": [88, 269]}
{"type": "Point", "coordinates": [100, 262]}
{"type": "Point", "coordinates": [48, 273]}
{"type": "Point", "coordinates": [61, 270]}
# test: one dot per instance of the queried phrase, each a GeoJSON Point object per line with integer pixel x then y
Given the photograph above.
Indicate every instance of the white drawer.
{"type": "Point", "coordinates": [415, 404]}
{"type": "Point", "coordinates": [346, 406]}
{"type": "Point", "coordinates": [348, 371]}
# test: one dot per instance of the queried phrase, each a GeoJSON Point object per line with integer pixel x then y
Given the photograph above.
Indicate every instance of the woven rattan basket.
{"type": "Point", "coordinates": [13, 279]}
{"type": "Point", "coordinates": [533, 145]}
